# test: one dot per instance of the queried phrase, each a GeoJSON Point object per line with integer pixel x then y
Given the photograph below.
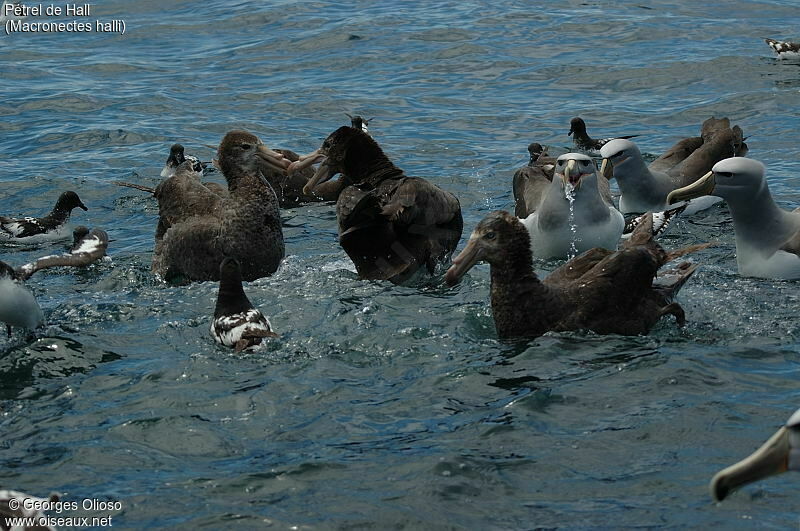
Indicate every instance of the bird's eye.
{"type": "Point", "coordinates": [724, 173]}
{"type": "Point", "coordinates": [491, 235]}
{"type": "Point", "coordinates": [246, 146]}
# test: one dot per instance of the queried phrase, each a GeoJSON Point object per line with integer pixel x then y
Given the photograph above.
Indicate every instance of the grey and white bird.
{"type": "Point", "coordinates": [645, 188]}
{"type": "Point", "coordinates": [779, 454]}
{"type": "Point", "coordinates": [573, 216]}
{"type": "Point", "coordinates": [236, 322]}
{"type": "Point", "coordinates": [767, 236]}
{"type": "Point", "coordinates": [18, 306]}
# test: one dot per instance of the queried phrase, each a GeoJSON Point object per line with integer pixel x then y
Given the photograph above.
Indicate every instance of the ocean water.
{"type": "Point", "coordinates": [383, 406]}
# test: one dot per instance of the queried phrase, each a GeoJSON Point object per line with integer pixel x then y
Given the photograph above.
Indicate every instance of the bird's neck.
{"type": "Point", "coordinates": [518, 296]}
{"type": "Point", "coordinates": [756, 217]}
{"type": "Point", "coordinates": [231, 298]}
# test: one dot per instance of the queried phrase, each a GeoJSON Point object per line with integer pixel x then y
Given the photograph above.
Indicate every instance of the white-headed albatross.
{"type": "Point", "coordinates": [767, 237]}
{"type": "Point", "coordinates": [780, 453]}
{"type": "Point", "coordinates": [644, 188]}
{"type": "Point", "coordinates": [573, 215]}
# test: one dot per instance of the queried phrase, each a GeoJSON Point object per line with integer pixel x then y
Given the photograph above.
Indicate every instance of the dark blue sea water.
{"type": "Point", "coordinates": [383, 406]}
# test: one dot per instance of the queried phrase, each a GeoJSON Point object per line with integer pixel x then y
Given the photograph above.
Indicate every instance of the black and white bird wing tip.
{"type": "Point", "coordinates": [661, 220]}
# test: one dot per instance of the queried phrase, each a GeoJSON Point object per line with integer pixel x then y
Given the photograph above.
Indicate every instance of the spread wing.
{"type": "Point", "coordinates": [90, 248]}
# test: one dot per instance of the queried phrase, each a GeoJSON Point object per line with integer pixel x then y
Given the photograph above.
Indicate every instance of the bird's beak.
{"type": "Point", "coordinates": [771, 459]}
{"type": "Point", "coordinates": [305, 161]}
{"type": "Point", "coordinates": [468, 257]}
{"type": "Point", "coordinates": [273, 159]}
{"type": "Point", "coordinates": [607, 169]}
{"type": "Point", "coordinates": [324, 171]}
{"type": "Point", "coordinates": [702, 186]}
{"type": "Point", "coordinates": [571, 175]}
{"type": "Point", "coordinates": [81, 205]}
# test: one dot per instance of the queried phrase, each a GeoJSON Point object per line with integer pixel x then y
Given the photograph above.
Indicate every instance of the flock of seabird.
{"type": "Point", "coordinates": [396, 228]}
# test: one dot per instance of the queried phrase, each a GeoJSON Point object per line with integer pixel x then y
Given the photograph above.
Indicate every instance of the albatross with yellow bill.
{"type": "Point", "coordinates": [573, 216]}
{"type": "Point", "coordinates": [767, 237]}
{"type": "Point", "coordinates": [780, 453]}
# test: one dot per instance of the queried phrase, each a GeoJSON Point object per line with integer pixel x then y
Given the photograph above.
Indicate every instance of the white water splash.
{"type": "Point", "coordinates": [569, 193]}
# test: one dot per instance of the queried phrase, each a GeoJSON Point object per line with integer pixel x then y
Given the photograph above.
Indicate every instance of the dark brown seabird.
{"type": "Point", "coordinates": [390, 225]}
{"type": "Point", "coordinates": [608, 292]}
{"type": "Point", "coordinates": [246, 225]}
{"type": "Point", "coordinates": [577, 130]}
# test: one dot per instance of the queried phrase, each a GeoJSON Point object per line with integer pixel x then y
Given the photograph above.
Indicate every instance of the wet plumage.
{"type": "Point", "coordinates": [200, 230]}
{"type": "Point", "coordinates": [236, 322]}
{"type": "Point", "coordinates": [390, 225]}
{"type": "Point", "coordinates": [608, 292]}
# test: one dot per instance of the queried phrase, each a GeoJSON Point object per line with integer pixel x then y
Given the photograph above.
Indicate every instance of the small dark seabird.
{"type": "Point", "coordinates": [18, 307]}
{"type": "Point", "coordinates": [784, 49]}
{"type": "Point", "coordinates": [532, 180]}
{"type": "Point", "coordinates": [645, 187]}
{"type": "Point", "coordinates": [577, 130]}
{"type": "Point", "coordinates": [608, 292]}
{"type": "Point", "coordinates": [236, 322]}
{"type": "Point", "coordinates": [389, 224]}
{"type": "Point", "coordinates": [359, 122]}
{"type": "Point", "coordinates": [24, 506]}
{"type": "Point", "coordinates": [29, 226]}
{"type": "Point", "coordinates": [779, 454]}
{"type": "Point", "coordinates": [245, 225]}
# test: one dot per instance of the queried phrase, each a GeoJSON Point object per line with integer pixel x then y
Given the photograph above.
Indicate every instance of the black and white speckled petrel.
{"type": "Point", "coordinates": [784, 49]}
{"type": "Point", "coordinates": [30, 226]}
{"type": "Point", "coordinates": [608, 292]}
{"type": "Point", "coordinates": [577, 130]}
{"type": "Point", "coordinates": [87, 248]}
{"type": "Point", "coordinates": [236, 322]}
{"type": "Point", "coordinates": [177, 157]}
{"type": "Point", "coordinates": [390, 225]}
{"type": "Point", "coordinates": [246, 224]}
